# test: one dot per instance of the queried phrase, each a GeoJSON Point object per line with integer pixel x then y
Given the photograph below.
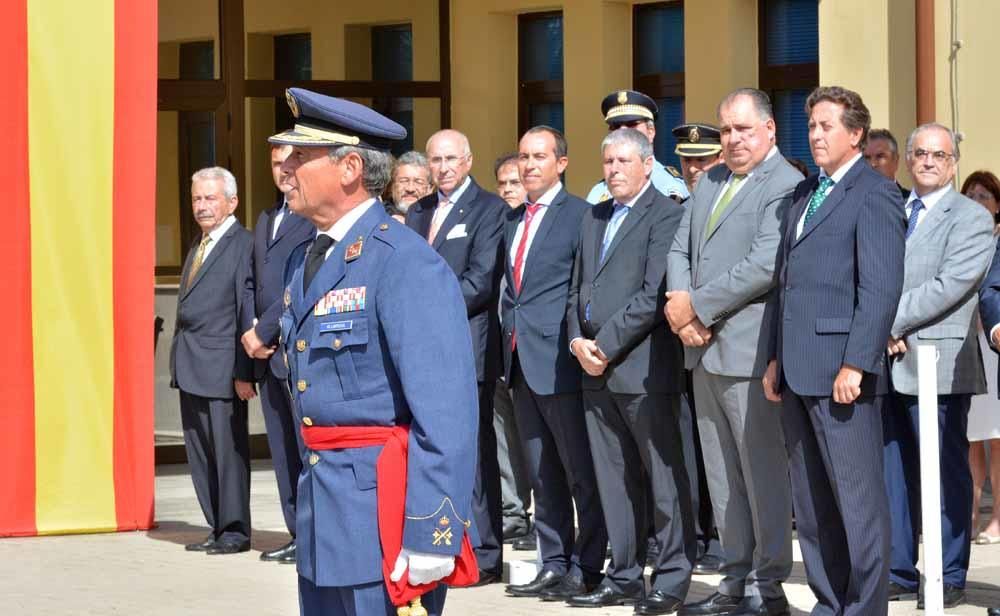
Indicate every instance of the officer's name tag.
{"type": "Point", "coordinates": [335, 326]}
{"type": "Point", "coordinates": [340, 300]}
{"type": "Point", "coordinates": [456, 232]}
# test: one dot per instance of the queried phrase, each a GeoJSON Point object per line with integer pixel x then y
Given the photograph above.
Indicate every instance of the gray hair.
{"type": "Point", "coordinates": [414, 158]}
{"type": "Point", "coordinates": [629, 136]}
{"type": "Point", "coordinates": [884, 135]}
{"type": "Point", "coordinates": [377, 166]}
{"type": "Point", "coordinates": [761, 102]}
{"type": "Point", "coordinates": [929, 126]}
{"type": "Point", "coordinates": [217, 173]}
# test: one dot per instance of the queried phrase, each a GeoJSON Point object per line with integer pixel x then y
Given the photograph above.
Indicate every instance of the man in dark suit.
{"type": "Point", "coordinates": [210, 368]}
{"type": "Point", "coordinates": [634, 376]}
{"type": "Point", "coordinates": [882, 153]}
{"type": "Point", "coordinates": [464, 224]}
{"type": "Point", "coordinates": [541, 240]}
{"type": "Point", "coordinates": [277, 232]}
{"type": "Point", "coordinates": [840, 268]}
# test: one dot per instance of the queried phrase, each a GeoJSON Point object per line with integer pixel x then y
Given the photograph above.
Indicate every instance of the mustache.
{"type": "Point", "coordinates": [200, 214]}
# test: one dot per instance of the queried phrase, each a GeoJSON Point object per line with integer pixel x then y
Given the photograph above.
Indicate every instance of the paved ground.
{"type": "Point", "coordinates": [150, 574]}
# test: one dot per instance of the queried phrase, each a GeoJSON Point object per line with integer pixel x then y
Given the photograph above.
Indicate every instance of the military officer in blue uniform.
{"type": "Point", "coordinates": [377, 345]}
{"type": "Point", "coordinates": [631, 109]}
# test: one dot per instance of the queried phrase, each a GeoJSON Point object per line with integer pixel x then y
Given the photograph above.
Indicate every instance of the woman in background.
{"type": "Point", "coordinates": [984, 416]}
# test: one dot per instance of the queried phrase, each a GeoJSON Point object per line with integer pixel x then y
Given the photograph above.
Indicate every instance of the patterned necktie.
{"type": "Point", "coordinates": [522, 246]}
{"type": "Point", "coordinates": [315, 258]}
{"type": "Point", "coordinates": [617, 217]}
{"type": "Point", "coordinates": [199, 258]}
{"type": "Point", "coordinates": [734, 186]}
{"type": "Point", "coordinates": [825, 184]}
{"type": "Point", "coordinates": [437, 219]}
{"type": "Point", "coordinates": [911, 223]}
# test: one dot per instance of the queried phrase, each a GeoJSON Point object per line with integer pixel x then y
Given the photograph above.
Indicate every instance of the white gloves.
{"type": "Point", "coordinates": [424, 568]}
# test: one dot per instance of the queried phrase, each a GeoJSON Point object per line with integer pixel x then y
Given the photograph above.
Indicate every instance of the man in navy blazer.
{"type": "Point", "coordinates": [541, 240]}
{"type": "Point", "coordinates": [277, 232]}
{"type": "Point", "coordinates": [210, 368]}
{"type": "Point", "coordinates": [464, 224]}
{"type": "Point", "coordinates": [840, 276]}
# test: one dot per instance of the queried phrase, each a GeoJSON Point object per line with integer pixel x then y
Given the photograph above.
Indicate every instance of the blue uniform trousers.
{"type": "Point", "coordinates": [285, 442]}
{"type": "Point", "coordinates": [364, 600]}
{"type": "Point", "coordinates": [902, 480]}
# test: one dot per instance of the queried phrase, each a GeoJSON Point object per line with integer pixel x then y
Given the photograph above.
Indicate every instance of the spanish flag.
{"type": "Point", "coordinates": [78, 115]}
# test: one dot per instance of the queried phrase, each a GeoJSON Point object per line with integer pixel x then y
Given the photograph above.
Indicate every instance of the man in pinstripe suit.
{"type": "Point", "coordinates": [840, 275]}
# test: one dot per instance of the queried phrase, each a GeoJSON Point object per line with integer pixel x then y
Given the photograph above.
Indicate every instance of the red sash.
{"type": "Point", "coordinates": [390, 474]}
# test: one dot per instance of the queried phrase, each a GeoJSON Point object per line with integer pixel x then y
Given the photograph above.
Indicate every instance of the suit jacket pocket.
{"type": "Point", "coordinates": [217, 342]}
{"type": "Point", "coordinates": [551, 330]}
{"type": "Point", "coordinates": [943, 331]}
{"type": "Point", "coordinates": [363, 461]}
{"type": "Point", "coordinates": [826, 325]}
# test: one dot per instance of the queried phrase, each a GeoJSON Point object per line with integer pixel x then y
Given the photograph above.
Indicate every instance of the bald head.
{"type": "Point", "coordinates": [450, 158]}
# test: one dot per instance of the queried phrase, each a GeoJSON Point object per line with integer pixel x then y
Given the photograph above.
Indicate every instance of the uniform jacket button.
{"type": "Point", "coordinates": [300, 345]}
{"type": "Point", "coordinates": [307, 421]}
{"type": "Point", "coordinates": [314, 459]}
{"type": "Point", "coordinates": [301, 385]}
{"type": "Point", "coordinates": [337, 343]}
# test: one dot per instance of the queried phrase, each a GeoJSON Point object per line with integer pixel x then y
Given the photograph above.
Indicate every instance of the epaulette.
{"type": "Point", "coordinates": [673, 171]}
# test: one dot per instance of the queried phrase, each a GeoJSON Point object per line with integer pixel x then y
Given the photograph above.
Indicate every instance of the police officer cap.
{"type": "Point", "coordinates": [624, 106]}
{"type": "Point", "coordinates": [697, 139]}
{"type": "Point", "coordinates": [327, 121]}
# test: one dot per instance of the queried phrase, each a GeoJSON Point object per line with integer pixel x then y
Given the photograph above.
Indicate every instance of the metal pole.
{"type": "Point", "coordinates": [930, 479]}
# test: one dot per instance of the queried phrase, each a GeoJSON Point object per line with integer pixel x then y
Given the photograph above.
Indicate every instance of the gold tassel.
{"type": "Point", "coordinates": [416, 609]}
{"type": "Point", "coordinates": [403, 610]}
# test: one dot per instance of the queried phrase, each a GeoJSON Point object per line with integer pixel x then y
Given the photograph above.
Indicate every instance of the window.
{"type": "Point", "coordinates": [292, 62]}
{"type": "Point", "coordinates": [658, 65]}
{"type": "Point", "coordinates": [789, 68]}
{"type": "Point", "coordinates": [540, 70]}
{"type": "Point", "coordinates": [392, 61]}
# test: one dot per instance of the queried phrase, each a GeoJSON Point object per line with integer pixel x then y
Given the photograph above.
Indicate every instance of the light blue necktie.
{"type": "Point", "coordinates": [621, 211]}
{"type": "Point", "coordinates": [911, 223]}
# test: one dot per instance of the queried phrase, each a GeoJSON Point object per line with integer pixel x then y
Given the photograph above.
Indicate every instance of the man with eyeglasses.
{"type": "Point", "coordinates": [882, 153]}
{"type": "Point", "coordinates": [411, 181]}
{"type": "Point", "coordinates": [631, 109]}
{"type": "Point", "coordinates": [464, 224]}
{"type": "Point", "coordinates": [949, 247]}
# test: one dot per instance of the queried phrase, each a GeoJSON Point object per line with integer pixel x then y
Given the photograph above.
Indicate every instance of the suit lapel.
{"type": "Point", "coordinates": [213, 256]}
{"type": "Point", "coordinates": [632, 219]}
{"type": "Point", "coordinates": [699, 217]}
{"type": "Point", "coordinates": [932, 219]}
{"type": "Point", "coordinates": [549, 219]}
{"type": "Point", "coordinates": [836, 197]}
{"type": "Point", "coordinates": [602, 216]}
{"type": "Point", "coordinates": [752, 184]}
{"type": "Point", "coordinates": [457, 213]}
{"type": "Point", "coordinates": [509, 230]}
{"type": "Point", "coordinates": [288, 223]}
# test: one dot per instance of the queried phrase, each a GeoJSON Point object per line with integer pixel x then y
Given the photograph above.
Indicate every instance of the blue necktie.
{"type": "Point", "coordinates": [911, 224]}
{"type": "Point", "coordinates": [609, 233]}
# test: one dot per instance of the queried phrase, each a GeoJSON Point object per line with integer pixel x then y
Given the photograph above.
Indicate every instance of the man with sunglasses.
{"type": "Point", "coordinates": [631, 109]}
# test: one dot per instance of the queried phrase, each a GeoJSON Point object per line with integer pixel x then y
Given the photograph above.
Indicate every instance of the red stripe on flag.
{"type": "Point", "coordinates": [17, 383]}
{"type": "Point", "coordinates": [134, 258]}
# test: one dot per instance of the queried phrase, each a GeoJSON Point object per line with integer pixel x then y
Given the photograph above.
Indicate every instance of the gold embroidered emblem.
{"type": "Point", "coordinates": [442, 536]}
{"type": "Point", "coordinates": [622, 97]}
{"type": "Point", "coordinates": [694, 135]}
{"type": "Point", "coordinates": [294, 106]}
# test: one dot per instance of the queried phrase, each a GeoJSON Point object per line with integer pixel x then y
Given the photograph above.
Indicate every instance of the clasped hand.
{"type": "Point", "coordinates": [684, 321]}
{"type": "Point", "coordinates": [591, 358]}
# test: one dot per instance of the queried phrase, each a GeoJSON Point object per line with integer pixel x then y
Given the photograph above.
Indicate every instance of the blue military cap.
{"type": "Point", "coordinates": [326, 121]}
{"type": "Point", "coordinates": [628, 106]}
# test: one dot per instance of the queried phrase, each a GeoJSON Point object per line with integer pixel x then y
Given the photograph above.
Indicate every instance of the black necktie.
{"type": "Point", "coordinates": [315, 258]}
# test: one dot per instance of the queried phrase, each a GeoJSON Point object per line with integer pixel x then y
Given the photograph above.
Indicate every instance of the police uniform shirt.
{"type": "Point", "coordinates": [216, 235]}
{"type": "Point", "coordinates": [536, 222]}
{"type": "Point", "coordinates": [663, 181]}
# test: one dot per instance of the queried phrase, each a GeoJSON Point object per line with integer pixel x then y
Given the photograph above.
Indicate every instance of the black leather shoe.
{"type": "Point", "coordinates": [658, 602]}
{"type": "Point", "coordinates": [898, 593]}
{"type": "Point", "coordinates": [953, 597]}
{"type": "Point", "coordinates": [205, 545]}
{"type": "Point", "coordinates": [708, 564]}
{"type": "Point", "coordinates": [229, 547]}
{"type": "Point", "coordinates": [486, 578]}
{"type": "Point", "coordinates": [718, 603]}
{"type": "Point", "coordinates": [515, 528]}
{"type": "Point", "coordinates": [569, 586]}
{"type": "Point", "coordinates": [545, 579]}
{"type": "Point", "coordinates": [993, 611]}
{"type": "Point", "coordinates": [604, 596]}
{"type": "Point", "coordinates": [280, 554]}
{"type": "Point", "coordinates": [778, 606]}
{"type": "Point", "coordinates": [527, 543]}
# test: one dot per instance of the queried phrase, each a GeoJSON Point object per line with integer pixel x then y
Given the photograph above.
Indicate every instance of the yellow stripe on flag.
{"type": "Point", "coordinates": [71, 71]}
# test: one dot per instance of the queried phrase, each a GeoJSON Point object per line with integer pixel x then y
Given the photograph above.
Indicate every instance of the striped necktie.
{"type": "Point", "coordinates": [199, 258]}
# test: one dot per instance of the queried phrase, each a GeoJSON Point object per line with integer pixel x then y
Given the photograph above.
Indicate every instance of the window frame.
{"type": "Point", "coordinates": [654, 85]}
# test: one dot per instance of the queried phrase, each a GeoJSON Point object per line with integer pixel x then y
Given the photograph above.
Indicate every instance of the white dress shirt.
{"type": "Point", "coordinates": [342, 226]}
{"type": "Point", "coordinates": [929, 200]}
{"type": "Point", "coordinates": [278, 218]}
{"type": "Point", "coordinates": [216, 235]}
{"type": "Point", "coordinates": [729, 180]}
{"type": "Point", "coordinates": [836, 177]}
{"type": "Point", "coordinates": [544, 201]}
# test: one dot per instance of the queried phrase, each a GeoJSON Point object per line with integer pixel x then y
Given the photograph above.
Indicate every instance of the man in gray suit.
{"type": "Point", "coordinates": [949, 247]}
{"type": "Point", "coordinates": [209, 366]}
{"type": "Point", "coordinates": [632, 382]}
{"type": "Point", "coordinates": [720, 273]}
